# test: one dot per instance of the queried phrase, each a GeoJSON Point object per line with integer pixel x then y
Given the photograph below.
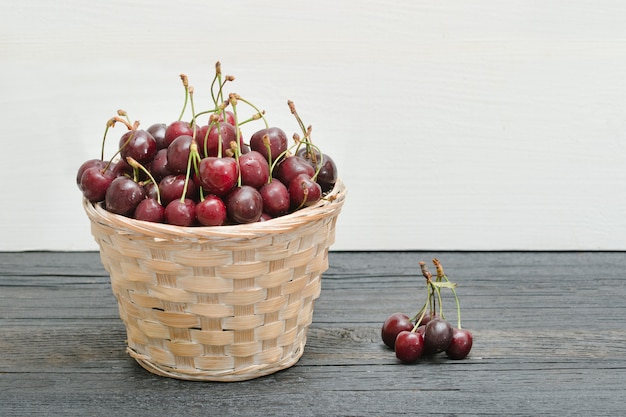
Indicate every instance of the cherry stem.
{"type": "Point", "coordinates": [266, 142]}
{"type": "Point", "coordinates": [193, 111]}
{"type": "Point", "coordinates": [136, 166]}
{"type": "Point", "coordinates": [110, 124]}
{"type": "Point", "coordinates": [422, 311]}
{"type": "Point", "coordinates": [260, 113]}
{"type": "Point", "coordinates": [185, 81]}
{"type": "Point", "coordinates": [218, 71]}
{"type": "Point", "coordinates": [216, 109]}
{"type": "Point", "coordinates": [305, 191]}
{"type": "Point", "coordinates": [123, 113]}
{"type": "Point", "coordinates": [232, 98]}
{"type": "Point", "coordinates": [431, 292]}
{"type": "Point", "coordinates": [254, 117]}
{"type": "Point", "coordinates": [193, 151]}
{"type": "Point", "coordinates": [316, 150]}
{"type": "Point", "coordinates": [292, 107]}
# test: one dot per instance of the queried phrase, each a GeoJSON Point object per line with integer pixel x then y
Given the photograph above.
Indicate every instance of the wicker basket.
{"type": "Point", "coordinates": [226, 303]}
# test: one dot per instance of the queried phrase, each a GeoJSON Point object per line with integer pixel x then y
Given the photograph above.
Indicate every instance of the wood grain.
{"type": "Point", "coordinates": [548, 328]}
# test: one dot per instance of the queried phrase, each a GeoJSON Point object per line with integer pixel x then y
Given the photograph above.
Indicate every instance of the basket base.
{"type": "Point", "coordinates": [244, 374]}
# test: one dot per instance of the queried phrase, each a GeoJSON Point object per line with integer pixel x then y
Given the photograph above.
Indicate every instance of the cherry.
{"type": "Point", "coordinates": [409, 346]}
{"type": "Point", "coordinates": [178, 154]}
{"type": "Point", "coordinates": [176, 129]}
{"type": "Point", "coordinates": [218, 175]}
{"type": "Point", "coordinates": [159, 167]}
{"type": "Point", "coordinates": [327, 174]}
{"type": "Point", "coordinates": [277, 142]}
{"type": "Point", "coordinates": [437, 335]}
{"type": "Point", "coordinates": [210, 142]}
{"type": "Point", "coordinates": [171, 188]}
{"type": "Point", "coordinates": [139, 145]}
{"type": "Point", "coordinates": [180, 212]}
{"type": "Point", "coordinates": [123, 196]}
{"type": "Point", "coordinates": [97, 163]}
{"type": "Point", "coordinates": [121, 167]}
{"type": "Point", "coordinates": [254, 169]}
{"type": "Point", "coordinates": [152, 190]}
{"type": "Point", "coordinates": [275, 196]}
{"type": "Point", "coordinates": [291, 167]}
{"type": "Point", "coordinates": [303, 191]}
{"type": "Point", "coordinates": [392, 326]}
{"type": "Point", "coordinates": [149, 210]}
{"type": "Point", "coordinates": [157, 131]}
{"type": "Point", "coordinates": [460, 345]}
{"type": "Point", "coordinates": [244, 204]}
{"type": "Point", "coordinates": [211, 211]}
{"type": "Point", "coordinates": [94, 183]}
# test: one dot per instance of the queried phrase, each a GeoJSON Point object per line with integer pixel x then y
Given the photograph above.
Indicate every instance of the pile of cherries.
{"type": "Point", "coordinates": [203, 173]}
{"type": "Point", "coordinates": [428, 332]}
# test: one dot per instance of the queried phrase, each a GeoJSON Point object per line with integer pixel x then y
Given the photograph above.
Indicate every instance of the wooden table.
{"type": "Point", "coordinates": [549, 329]}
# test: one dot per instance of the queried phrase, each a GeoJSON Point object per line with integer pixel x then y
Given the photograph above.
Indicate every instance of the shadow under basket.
{"type": "Point", "coordinates": [226, 303]}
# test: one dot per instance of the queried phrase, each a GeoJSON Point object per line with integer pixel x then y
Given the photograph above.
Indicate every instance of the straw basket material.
{"type": "Point", "coordinates": [226, 303]}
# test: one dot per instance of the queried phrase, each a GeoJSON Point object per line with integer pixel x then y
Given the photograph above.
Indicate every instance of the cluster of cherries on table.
{"type": "Point", "coordinates": [428, 332]}
{"type": "Point", "coordinates": [188, 173]}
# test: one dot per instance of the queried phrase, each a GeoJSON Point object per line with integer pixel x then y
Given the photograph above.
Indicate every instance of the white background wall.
{"type": "Point", "coordinates": [455, 124]}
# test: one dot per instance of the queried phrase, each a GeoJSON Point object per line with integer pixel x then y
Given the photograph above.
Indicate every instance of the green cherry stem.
{"type": "Point", "coordinates": [193, 111]}
{"type": "Point", "coordinates": [266, 143]}
{"type": "Point", "coordinates": [260, 113]}
{"type": "Point", "coordinates": [193, 153]}
{"type": "Point", "coordinates": [137, 166]}
{"type": "Point", "coordinates": [254, 117]}
{"type": "Point", "coordinates": [292, 108]}
{"type": "Point", "coordinates": [232, 98]}
{"type": "Point", "coordinates": [441, 276]}
{"type": "Point", "coordinates": [218, 70]}
{"type": "Point", "coordinates": [185, 81]}
{"type": "Point", "coordinates": [110, 124]}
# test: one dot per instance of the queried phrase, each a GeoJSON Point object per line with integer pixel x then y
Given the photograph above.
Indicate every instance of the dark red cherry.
{"type": "Point", "coordinates": [211, 211]}
{"type": "Point", "coordinates": [149, 210]}
{"type": "Point", "coordinates": [437, 335]}
{"type": "Point", "coordinates": [291, 167]}
{"type": "Point", "coordinates": [159, 167]}
{"type": "Point", "coordinates": [392, 326]}
{"type": "Point", "coordinates": [171, 188]}
{"type": "Point", "coordinates": [275, 196]}
{"type": "Point", "coordinates": [218, 175]}
{"type": "Point", "coordinates": [409, 346]}
{"type": "Point", "coordinates": [180, 213]}
{"type": "Point", "coordinates": [208, 138]}
{"type": "Point", "coordinates": [123, 196]}
{"type": "Point", "coordinates": [178, 154]}
{"type": "Point", "coordinates": [157, 131]}
{"type": "Point", "coordinates": [98, 163]}
{"type": "Point", "coordinates": [461, 344]}
{"type": "Point", "coordinates": [244, 205]}
{"type": "Point", "coordinates": [139, 145]}
{"type": "Point", "coordinates": [176, 129]}
{"type": "Point", "coordinates": [303, 191]}
{"type": "Point", "coordinates": [327, 175]}
{"type": "Point", "coordinates": [94, 183]}
{"type": "Point", "coordinates": [277, 142]}
{"type": "Point", "coordinates": [254, 169]}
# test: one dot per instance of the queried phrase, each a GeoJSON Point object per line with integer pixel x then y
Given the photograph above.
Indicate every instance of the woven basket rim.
{"type": "Point", "coordinates": [328, 206]}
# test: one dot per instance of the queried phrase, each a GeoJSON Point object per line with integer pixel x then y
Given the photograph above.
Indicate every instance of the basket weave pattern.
{"type": "Point", "coordinates": [226, 303]}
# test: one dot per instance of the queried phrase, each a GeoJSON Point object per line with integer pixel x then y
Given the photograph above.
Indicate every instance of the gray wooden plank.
{"type": "Point", "coordinates": [548, 327]}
